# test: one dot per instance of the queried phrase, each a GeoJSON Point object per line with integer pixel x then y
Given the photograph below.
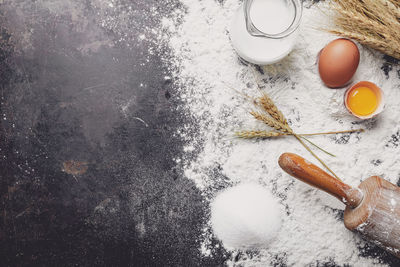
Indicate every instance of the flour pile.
{"type": "Point", "coordinates": [208, 73]}
{"type": "Point", "coordinates": [246, 216]}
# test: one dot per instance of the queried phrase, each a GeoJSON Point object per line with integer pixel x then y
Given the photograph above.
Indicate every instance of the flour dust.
{"type": "Point", "coordinates": [213, 83]}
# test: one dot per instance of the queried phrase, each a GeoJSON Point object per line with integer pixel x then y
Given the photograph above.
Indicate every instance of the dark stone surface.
{"type": "Point", "coordinates": [87, 141]}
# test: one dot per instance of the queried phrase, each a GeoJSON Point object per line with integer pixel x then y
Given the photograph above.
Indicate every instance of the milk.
{"type": "Point", "coordinates": [270, 17]}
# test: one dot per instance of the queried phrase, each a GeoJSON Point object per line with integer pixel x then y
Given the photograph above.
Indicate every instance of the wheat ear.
{"type": "Point", "coordinates": [269, 106]}
{"type": "Point", "coordinates": [369, 41]}
{"type": "Point", "coordinates": [374, 23]}
{"type": "Point", "coordinates": [258, 134]}
{"type": "Point", "coordinates": [271, 122]}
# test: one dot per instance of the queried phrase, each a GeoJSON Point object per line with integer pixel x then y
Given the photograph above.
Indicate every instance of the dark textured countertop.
{"type": "Point", "coordinates": [87, 142]}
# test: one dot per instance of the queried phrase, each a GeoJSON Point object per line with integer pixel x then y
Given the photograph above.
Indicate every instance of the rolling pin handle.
{"type": "Point", "coordinates": [307, 172]}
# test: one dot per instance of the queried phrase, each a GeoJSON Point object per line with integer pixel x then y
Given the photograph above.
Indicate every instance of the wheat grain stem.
{"type": "Point", "coordinates": [266, 134]}
{"type": "Point", "coordinates": [320, 148]}
{"type": "Point", "coordinates": [315, 156]}
{"type": "Point", "coordinates": [335, 132]}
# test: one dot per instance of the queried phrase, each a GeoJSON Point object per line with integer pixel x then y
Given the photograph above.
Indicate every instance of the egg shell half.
{"type": "Point", "coordinates": [378, 92]}
{"type": "Point", "coordinates": [338, 62]}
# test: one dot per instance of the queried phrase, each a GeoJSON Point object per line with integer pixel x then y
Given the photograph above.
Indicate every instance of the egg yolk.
{"type": "Point", "coordinates": [362, 101]}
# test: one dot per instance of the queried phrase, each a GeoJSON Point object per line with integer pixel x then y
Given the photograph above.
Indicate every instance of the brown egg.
{"type": "Point", "coordinates": [338, 62]}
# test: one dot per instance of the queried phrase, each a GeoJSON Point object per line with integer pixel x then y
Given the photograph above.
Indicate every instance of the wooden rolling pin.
{"type": "Point", "coordinates": [373, 209]}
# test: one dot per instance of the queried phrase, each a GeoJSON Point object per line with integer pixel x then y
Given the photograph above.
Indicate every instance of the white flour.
{"type": "Point", "coordinates": [208, 69]}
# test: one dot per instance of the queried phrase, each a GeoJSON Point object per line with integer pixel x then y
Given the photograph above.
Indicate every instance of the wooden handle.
{"type": "Point", "coordinates": [307, 172]}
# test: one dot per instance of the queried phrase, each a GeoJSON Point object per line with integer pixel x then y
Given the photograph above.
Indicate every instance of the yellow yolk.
{"type": "Point", "coordinates": [362, 101]}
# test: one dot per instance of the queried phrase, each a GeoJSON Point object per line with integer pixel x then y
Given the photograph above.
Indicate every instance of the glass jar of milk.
{"type": "Point", "coordinates": [264, 31]}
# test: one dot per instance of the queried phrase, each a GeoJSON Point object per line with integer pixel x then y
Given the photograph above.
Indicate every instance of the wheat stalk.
{"type": "Point", "coordinates": [315, 156]}
{"type": "Point", "coordinates": [361, 21]}
{"type": "Point", "coordinates": [275, 119]}
{"type": "Point", "coordinates": [269, 106]}
{"type": "Point", "coordinates": [369, 41]}
{"type": "Point", "coordinates": [271, 122]}
{"type": "Point", "coordinates": [312, 143]}
{"type": "Point", "coordinates": [279, 123]}
{"type": "Point", "coordinates": [268, 134]}
{"type": "Point", "coordinates": [393, 7]}
{"type": "Point", "coordinates": [258, 134]}
{"type": "Point", "coordinates": [395, 3]}
{"type": "Point", "coordinates": [374, 23]}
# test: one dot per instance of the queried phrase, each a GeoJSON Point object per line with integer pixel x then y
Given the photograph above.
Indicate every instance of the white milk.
{"type": "Point", "coordinates": [271, 17]}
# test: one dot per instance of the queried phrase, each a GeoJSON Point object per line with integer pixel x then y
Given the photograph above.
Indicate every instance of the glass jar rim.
{"type": "Point", "coordinates": [253, 30]}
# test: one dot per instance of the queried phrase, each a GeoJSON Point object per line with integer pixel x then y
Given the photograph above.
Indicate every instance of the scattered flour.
{"type": "Point", "coordinates": [209, 75]}
{"type": "Point", "coordinates": [246, 216]}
